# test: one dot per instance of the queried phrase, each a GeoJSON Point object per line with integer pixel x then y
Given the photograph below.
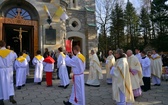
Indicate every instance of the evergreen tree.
{"type": "Point", "coordinates": [145, 25]}
{"type": "Point", "coordinates": [159, 17]}
{"type": "Point", "coordinates": [132, 25]}
{"type": "Point", "coordinates": [117, 26]}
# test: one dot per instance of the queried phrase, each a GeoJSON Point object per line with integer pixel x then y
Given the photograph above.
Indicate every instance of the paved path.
{"type": "Point", "coordinates": [33, 94]}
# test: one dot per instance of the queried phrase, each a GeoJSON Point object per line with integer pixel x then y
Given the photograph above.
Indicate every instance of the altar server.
{"type": "Point", "coordinates": [20, 67]}
{"type": "Point", "coordinates": [7, 58]}
{"type": "Point", "coordinates": [77, 62]}
{"type": "Point", "coordinates": [38, 62]}
{"type": "Point", "coordinates": [48, 64]}
{"type": "Point", "coordinates": [61, 65]}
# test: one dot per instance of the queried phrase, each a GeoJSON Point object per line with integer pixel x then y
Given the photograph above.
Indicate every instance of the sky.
{"type": "Point", "coordinates": [136, 4]}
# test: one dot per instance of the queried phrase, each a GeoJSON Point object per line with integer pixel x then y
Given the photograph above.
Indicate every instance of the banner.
{"type": "Point", "coordinates": [68, 45]}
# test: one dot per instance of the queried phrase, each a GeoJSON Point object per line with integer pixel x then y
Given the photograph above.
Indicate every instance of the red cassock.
{"type": "Point", "coordinates": [49, 60]}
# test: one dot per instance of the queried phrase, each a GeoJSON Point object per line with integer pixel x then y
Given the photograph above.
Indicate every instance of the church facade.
{"type": "Point", "coordinates": [24, 25]}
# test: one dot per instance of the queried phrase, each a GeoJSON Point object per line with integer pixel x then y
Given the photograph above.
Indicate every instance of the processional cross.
{"type": "Point", "coordinates": [20, 36]}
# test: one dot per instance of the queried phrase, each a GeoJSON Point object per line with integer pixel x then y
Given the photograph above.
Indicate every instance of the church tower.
{"type": "Point", "coordinates": [81, 25]}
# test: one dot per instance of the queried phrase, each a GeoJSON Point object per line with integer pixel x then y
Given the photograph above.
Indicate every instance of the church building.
{"type": "Point", "coordinates": [24, 25]}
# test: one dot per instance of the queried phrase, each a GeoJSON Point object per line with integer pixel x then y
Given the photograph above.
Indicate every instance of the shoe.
{"type": "Point", "coordinates": [39, 83]}
{"type": "Point", "coordinates": [60, 86]}
{"type": "Point", "coordinates": [87, 84]}
{"type": "Point", "coordinates": [158, 85]}
{"type": "Point", "coordinates": [109, 83]}
{"type": "Point", "coordinates": [1, 102]}
{"type": "Point", "coordinates": [19, 87]}
{"type": "Point", "coordinates": [11, 99]}
{"type": "Point", "coordinates": [66, 86]}
{"type": "Point", "coordinates": [155, 85]}
{"type": "Point", "coordinates": [67, 103]}
{"type": "Point", "coordinates": [23, 85]}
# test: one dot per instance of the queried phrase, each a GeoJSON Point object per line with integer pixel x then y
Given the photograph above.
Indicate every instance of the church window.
{"type": "Point", "coordinates": [14, 12]}
{"type": "Point", "coordinates": [74, 3]}
{"type": "Point", "coordinates": [74, 24]}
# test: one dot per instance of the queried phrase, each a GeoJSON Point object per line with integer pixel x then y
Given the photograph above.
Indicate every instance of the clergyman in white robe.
{"type": "Point", "coordinates": [20, 67]}
{"type": "Point", "coordinates": [7, 58]}
{"type": "Point", "coordinates": [63, 74]}
{"type": "Point", "coordinates": [95, 72]}
{"type": "Point", "coordinates": [38, 73]}
{"type": "Point", "coordinates": [156, 68]}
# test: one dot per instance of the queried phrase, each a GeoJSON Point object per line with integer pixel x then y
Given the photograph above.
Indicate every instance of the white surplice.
{"type": "Point", "coordinates": [78, 88]}
{"type": "Point", "coordinates": [20, 68]}
{"type": "Point", "coordinates": [95, 72]}
{"type": "Point", "coordinates": [38, 73]}
{"type": "Point", "coordinates": [6, 75]}
{"type": "Point", "coordinates": [63, 74]}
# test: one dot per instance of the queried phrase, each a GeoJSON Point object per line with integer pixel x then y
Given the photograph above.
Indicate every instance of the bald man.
{"type": "Point", "coordinates": [135, 73]}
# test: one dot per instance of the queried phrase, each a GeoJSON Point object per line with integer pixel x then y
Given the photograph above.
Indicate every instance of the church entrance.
{"type": "Point", "coordinates": [76, 41]}
{"type": "Point", "coordinates": [12, 38]}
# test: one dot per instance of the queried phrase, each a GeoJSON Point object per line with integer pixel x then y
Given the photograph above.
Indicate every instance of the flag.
{"type": "Point", "coordinates": [64, 16]}
{"type": "Point", "coordinates": [46, 9]}
{"type": "Point", "coordinates": [60, 13]}
{"type": "Point", "coordinates": [68, 46]}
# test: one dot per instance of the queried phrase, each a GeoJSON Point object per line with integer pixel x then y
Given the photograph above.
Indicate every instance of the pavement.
{"type": "Point", "coordinates": [33, 94]}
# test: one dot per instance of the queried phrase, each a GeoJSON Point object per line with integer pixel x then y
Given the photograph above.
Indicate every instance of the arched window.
{"type": "Point", "coordinates": [14, 12]}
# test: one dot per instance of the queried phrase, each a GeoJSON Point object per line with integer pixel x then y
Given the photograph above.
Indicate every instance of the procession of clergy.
{"type": "Point", "coordinates": [130, 74]}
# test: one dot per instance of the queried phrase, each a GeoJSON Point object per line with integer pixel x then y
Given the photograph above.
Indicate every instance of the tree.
{"type": "Point", "coordinates": [117, 26]}
{"type": "Point", "coordinates": [159, 18]}
{"type": "Point", "coordinates": [103, 13]}
{"type": "Point", "coordinates": [132, 25]}
{"type": "Point", "coordinates": [145, 25]}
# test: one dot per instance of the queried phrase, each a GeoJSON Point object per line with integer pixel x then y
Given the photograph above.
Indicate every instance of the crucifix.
{"type": "Point", "coordinates": [20, 36]}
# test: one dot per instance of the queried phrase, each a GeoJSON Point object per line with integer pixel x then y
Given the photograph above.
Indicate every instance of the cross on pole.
{"type": "Point", "coordinates": [20, 36]}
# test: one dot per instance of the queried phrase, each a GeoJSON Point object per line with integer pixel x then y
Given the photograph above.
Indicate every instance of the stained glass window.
{"type": "Point", "coordinates": [12, 13]}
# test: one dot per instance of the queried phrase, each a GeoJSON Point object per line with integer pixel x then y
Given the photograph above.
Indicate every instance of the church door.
{"type": "Point", "coordinates": [19, 31]}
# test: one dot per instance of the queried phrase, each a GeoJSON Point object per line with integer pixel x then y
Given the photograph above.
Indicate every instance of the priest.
{"type": "Point", "coordinates": [95, 72]}
{"type": "Point", "coordinates": [156, 68]}
{"type": "Point", "coordinates": [38, 63]}
{"type": "Point", "coordinates": [110, 61]}
{"type": "Point", "coordinates": [135, 73]}
{"type": "Point", "coordinates": [122, 87]}
{"type": "Point", "coordinates": [7, 58]}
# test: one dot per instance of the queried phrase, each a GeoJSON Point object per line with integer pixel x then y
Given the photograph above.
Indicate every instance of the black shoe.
{"type": "Point", "coordinates": [39, 83]}
{"type": "Point", "coordinates": [19, 87]}
{"type": "Point", "coordinates": [1, 102]}
{"type": "Point", "coordinates": [155, 85]}
{"type": "Point", "coordinates": [66, 86]}
{"type": "Point", "coordinates": [109, 83]}
{"type": "Point", "coordinates": [95, 85]}
{"type": "Point", "coordinates": [11, 99]}
{"type": "Point", "coordinates": [23, 85]}
{"type": "Point", "coordinates": [87, 84]}
{"type": "Point", "coordinates": [60, 86]}
{"type": "Point", "coordinates": [67, 103]}
{"type": "Point", "coordinates": [158, 85]}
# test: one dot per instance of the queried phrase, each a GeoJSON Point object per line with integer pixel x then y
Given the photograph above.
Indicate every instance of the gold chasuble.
{"type": "Point", "coordinates": [121, 81]}
{"type": "Point", "coordinates": [110, 61]}
{"type": "Point", "coordinates": [39, 57]}
{"type": "Point", "coordinates": [156, 66]}
{"type": "Point", "coordinates": [4, 52]}
{"type": "Point", "coordinates": [136, 79]}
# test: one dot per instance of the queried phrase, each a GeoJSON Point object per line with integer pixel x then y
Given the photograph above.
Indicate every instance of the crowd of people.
{"type": "Point", "coordinates": [129, 74]}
